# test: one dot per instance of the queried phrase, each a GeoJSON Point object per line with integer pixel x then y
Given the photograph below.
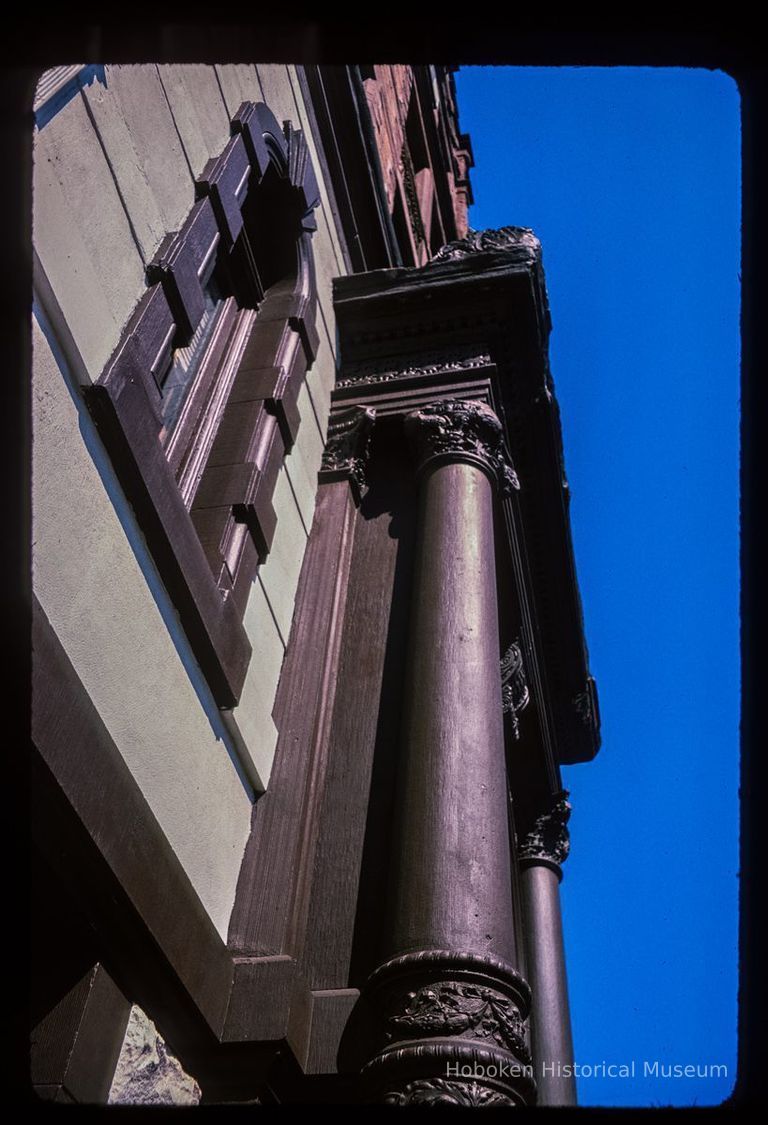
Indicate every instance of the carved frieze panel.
{"type": "Point", "coordinates": [430, 364]}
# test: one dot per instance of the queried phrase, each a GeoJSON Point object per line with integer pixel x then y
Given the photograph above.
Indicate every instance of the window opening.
{"type": "Point", "coordinates": [185, 362]}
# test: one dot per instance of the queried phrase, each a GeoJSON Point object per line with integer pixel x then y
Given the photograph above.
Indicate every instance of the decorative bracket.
{"type": "Point", "coordinates": [348, 446]}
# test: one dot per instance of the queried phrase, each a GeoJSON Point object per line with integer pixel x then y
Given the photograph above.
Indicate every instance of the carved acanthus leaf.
{"type": "Point", "coordinates": [482, 241]}
{"type": "Point", "coordinates": [514, 689]}
{"type": "Point", "coordinates": [460, 426]}
{"type": "Point", "coordinates": [346, 451]}
{"type": "Point", "coordinates": [548, 837]}
{"type": "Point", "coordinates": [437, 367]}
{"type": "Point", "coordinates": [465, 1010]}
{"type": "Point", "coordinates": [442, 1091]}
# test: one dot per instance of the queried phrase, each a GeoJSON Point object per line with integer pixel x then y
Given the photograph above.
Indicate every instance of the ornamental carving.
{"type": "Point", "coordinates": [441, 1091]}
{"type": "Point", "coordinates": [439, 367]}
{"type": "Point", "coordinates": [346, 451]}
{"type": "Point", "coordinates": [412, 199]}
{"type": "Point", "coordinates": [456, 427]}
{"type": "Point", "coordinates": [465, 1010]}
{"type": "Point", "coordinates": [453, 1013]}
{"type": "Point", "coordinates": [582, 704]}
{"type": "Point", "coordinates": [515, 696]}
{"type": "Point", "coordinates": [548, 837]}
{"type": "Point", "coordinates": [482, 241]}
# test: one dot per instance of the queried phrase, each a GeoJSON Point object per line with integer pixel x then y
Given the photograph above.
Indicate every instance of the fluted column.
{"type": "Point", "coordinates": [541, 851]}
{"type": "Point", "coordinates": [451, 1005]}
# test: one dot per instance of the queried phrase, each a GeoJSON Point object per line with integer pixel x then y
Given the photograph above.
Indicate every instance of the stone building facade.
{"type": "Point", "coordinates": [307, 644]}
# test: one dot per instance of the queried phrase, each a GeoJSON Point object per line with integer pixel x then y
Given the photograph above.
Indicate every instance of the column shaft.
{"type": "Point", "coordinates": [450, 1003]}
{"type": "Point", "coordinates": [550, 1016]}
{"type": "Point", "coordinates": [452, 888]}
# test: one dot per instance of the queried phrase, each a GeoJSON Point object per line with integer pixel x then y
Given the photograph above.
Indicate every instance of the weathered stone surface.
{"type": "Point", "coordinates": [142, 146]}
{"type": "Point", "coordinates": [198, 109]}
{"type": "Point", "coordinates": [98, 587]}
{"type": "Point", "coordinates": [253, 715]}
{"type": "Point", "coordinates": [239, 83]}
{"type": "Point", "coordinates": [146, 1073]}
{"type": "Point", "coordinates": [280, 574]}
{"type": "Point", "coordinates": [87, 252]}
{"type": "Point", "coordinates": [388, 95]}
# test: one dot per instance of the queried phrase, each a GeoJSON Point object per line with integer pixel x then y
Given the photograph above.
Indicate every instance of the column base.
{"type": "Point", "coordinates": [450, 1030]}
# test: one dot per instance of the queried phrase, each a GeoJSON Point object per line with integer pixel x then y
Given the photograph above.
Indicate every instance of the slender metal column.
{"type": "Point", "coordinates": [540, 852]}
{"type": "Point", "coordinates": [450, 1000]}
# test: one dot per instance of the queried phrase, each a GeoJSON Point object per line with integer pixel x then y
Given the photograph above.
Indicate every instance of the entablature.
{"type": "Point", "coordinates": [474, 324]}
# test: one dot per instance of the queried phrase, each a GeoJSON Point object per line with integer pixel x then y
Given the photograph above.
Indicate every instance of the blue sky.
{"type": "Point", "coordinates": [631, 179]}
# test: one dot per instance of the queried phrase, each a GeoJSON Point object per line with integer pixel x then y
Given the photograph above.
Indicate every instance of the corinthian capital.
{"type": "Point", "coordinates": [461, 430]}
{"type": "Point", "coordinates": [547, 838]}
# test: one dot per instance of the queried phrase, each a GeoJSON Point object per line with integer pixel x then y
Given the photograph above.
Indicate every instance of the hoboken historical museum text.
{"type": "Point", "coordinates": [635, 1068]}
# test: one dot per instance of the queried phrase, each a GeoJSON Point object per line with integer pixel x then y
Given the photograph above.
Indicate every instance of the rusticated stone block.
{"type": "Point", "coordinates": [147, 1073]}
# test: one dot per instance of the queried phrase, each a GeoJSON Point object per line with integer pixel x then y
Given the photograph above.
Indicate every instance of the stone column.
{"type": "Point", "coordinates": [449, 1001]}
{"type": "Point", "coordinates": [540, 852]}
